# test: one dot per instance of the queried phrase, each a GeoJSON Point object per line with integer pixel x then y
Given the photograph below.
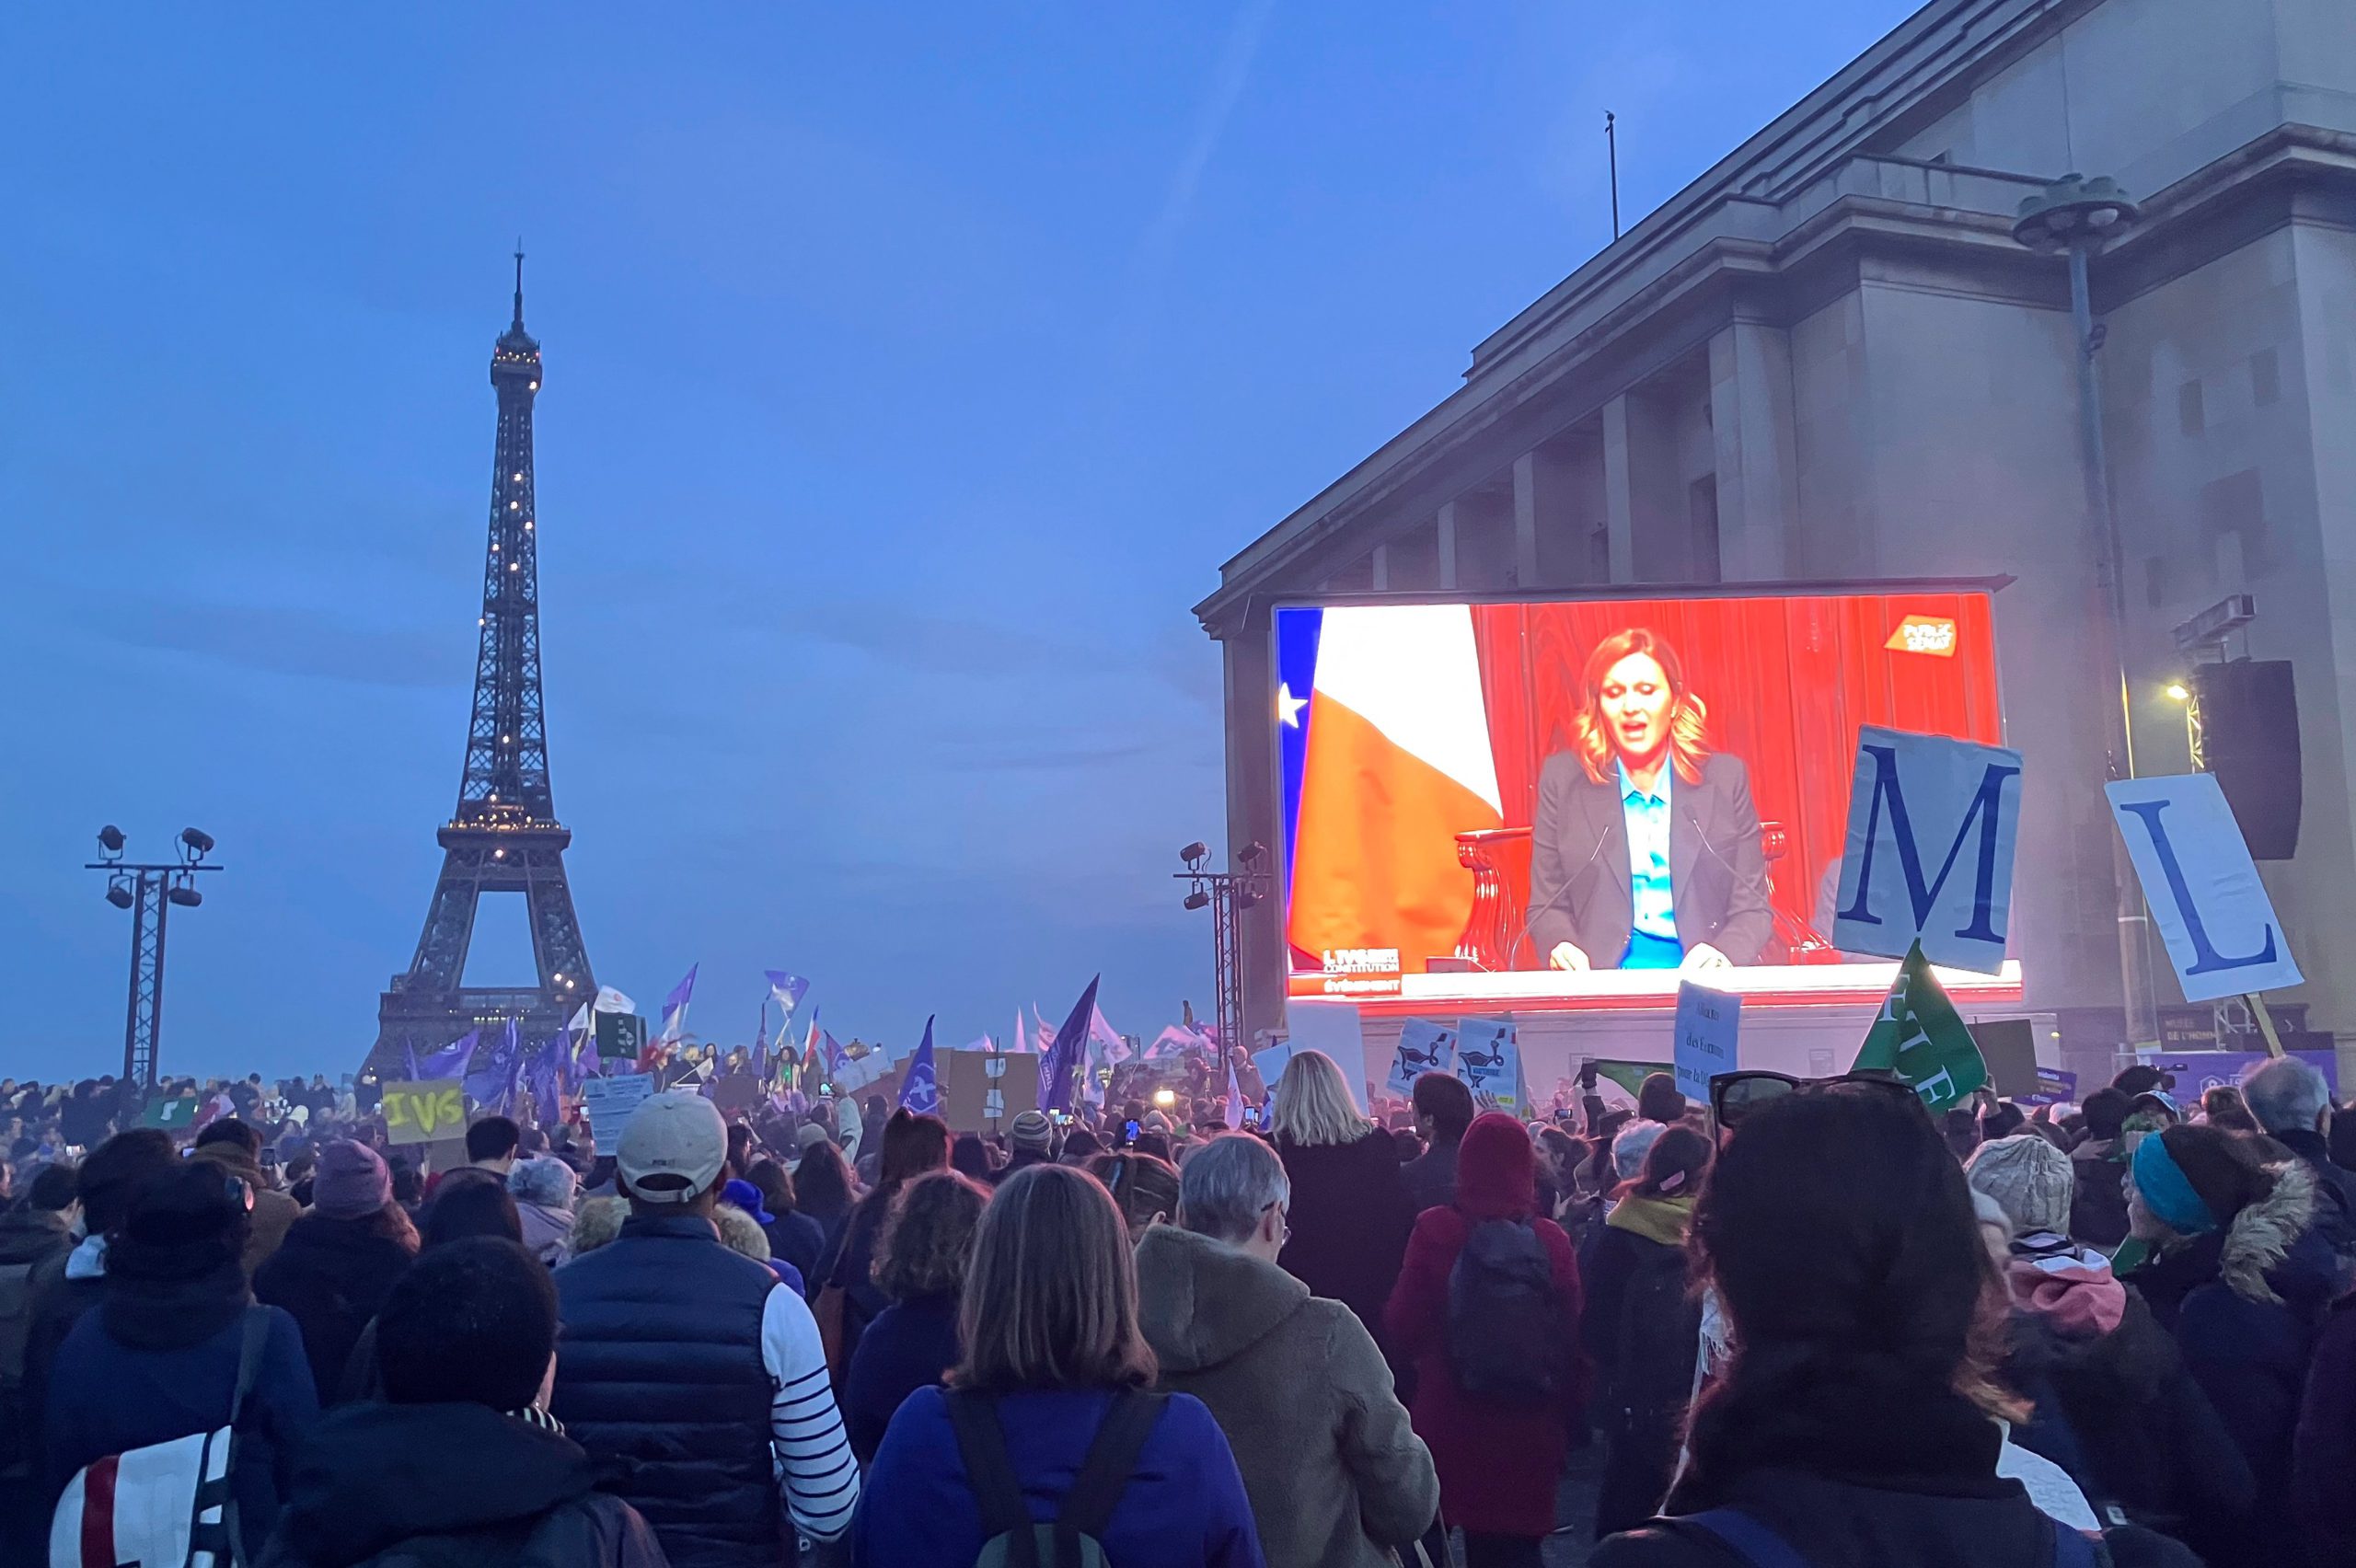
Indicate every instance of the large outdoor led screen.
{"type": "Point", "coordinates": [1639, 783]}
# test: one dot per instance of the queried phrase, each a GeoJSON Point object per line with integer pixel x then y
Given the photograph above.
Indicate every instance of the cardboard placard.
{"type": "Point", "coordinates": [2202, 886]}
{"type": "Point", "coordinates": [1424, 1047]}
{"type": "Point", "coordinates": [1488, 1058]}
{"type": "Point", "coordinates": [423, 1112]}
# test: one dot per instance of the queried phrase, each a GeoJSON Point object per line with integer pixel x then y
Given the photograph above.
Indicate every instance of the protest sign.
{"type": "Point", "coordinates": [1488, 1058]}
{"type": "Point", "coordinates": [1929, 856]}
{"type": "Point", "coordinates": [2202, 886]}
{"type": "Point", "coordinates": [1269, 1063]}
{"type": "Point", "coordinates": [1918, 1036]}
{"type": "Point", "coordinates": [421, 1112]}
{"type": "Point", "coordinates": [2009, 1047]}
{"type": "Point", "coordinates": [1707, 1024]}
{"type": "Point", "coordinates": [1322, 1024]}
{"type": "Point", "coordinates": [1424, 1047]}
{"type": "Point", "coordinates": [608, 1102]}
{"type": "Point", "coordinates": [2054, 1087]}
{"type": "Point", "coordinates": [620, 1037]}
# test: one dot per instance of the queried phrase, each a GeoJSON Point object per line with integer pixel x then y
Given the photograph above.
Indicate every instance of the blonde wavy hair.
{"type": "Point", "coordinates": [1688, 717]}
{"type": "Point", "coordinates": [1313, 1103]}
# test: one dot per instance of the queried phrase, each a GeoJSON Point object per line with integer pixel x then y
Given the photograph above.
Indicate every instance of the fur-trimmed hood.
{"type": "Point", "coordinates": [2262, 1237]}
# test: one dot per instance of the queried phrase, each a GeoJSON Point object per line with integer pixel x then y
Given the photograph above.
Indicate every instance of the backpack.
{"type": "Point", "coordinates": [1507, 1339]}
{"type": "Point", "coordinates": [1011, 1539]}
{"type": "Point", "coordinates": [166, 1506]}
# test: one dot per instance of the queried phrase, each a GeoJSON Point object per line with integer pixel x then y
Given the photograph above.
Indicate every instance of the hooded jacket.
{"type": "Point", "coordinates": [1336, 1475]}
{"type": "Point", "coordinates": [333, 1276]}
{"type": "Point", "coordinates": [1497, 1462]}
{"type": "Point", "coordinates": [452, 1486]}
{"type": "Point", "coordinates": [2245, 1304]}
{"type": "Point", "coordinates": [274, 1211]}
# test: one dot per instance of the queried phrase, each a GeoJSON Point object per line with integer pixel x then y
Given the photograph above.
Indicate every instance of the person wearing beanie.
{"type": "Point", "coordinates": [1032, 1138]}
{"type": "Point", "coordinates": [2240, 1276]}
{"type": "Point", "coordinates": [338, 1260]}
{"type": "Point", "coordinates": [2029, 1179]}
{"type": "Point", "coordinates": [465, 1344]}
{"type": "Point", "coordinates": [1498, 1450]}
{"type": "Point", "coordinates": [158, 1358]}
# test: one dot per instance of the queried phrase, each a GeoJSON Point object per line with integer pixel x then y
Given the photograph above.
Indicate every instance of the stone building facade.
{"type": "Point", "coordinates": [1829, 359]}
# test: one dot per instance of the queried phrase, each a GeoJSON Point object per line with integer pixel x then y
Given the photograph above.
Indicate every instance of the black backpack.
{"type": "Point", "coordinates": [1010, 1538]}
{"type": "Point", "coordinates": [1507, 1339]}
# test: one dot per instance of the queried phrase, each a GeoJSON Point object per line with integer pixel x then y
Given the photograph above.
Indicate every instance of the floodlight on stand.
{"type": "Point", "coordinates": [1246, 899]}
{"type": "Point", "coordinates": [111, 839]}
{"type": "Point", "coordinates": [119, 893]}
{"type": "Point", "coordinates": [197, 839]}
{"type": "Point", "coordinates": [1194, 852]}
{"type": "Point", "coordinates": [1253, 852]}
{"type": "Point", "coordinates": [185, 896]}
{"type": "Point", "coordinates": [1197, 899]}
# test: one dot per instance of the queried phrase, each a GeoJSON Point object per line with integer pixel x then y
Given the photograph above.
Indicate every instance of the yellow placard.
{"type": "Point", "coordinates": [424, 1112]}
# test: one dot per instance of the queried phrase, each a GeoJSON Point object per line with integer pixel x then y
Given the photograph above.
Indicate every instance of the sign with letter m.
{"type": "Point", "coordinates": [1930, 854]}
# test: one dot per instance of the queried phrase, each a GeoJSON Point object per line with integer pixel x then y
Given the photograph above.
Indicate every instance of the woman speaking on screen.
{"type": "Point", "coordinates": [1645, 853]}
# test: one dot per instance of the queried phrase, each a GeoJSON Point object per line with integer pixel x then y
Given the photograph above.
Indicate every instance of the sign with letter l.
{"type": "Point", "coordinates": [2202, 886]}
{"type": "Point", "coordinates": [1929, 859]}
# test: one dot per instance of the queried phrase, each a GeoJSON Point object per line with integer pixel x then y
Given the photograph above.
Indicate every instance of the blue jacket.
{"type": "Point", "coordinates": [107, 1398]}
{"type": "Point", "coordinates": [659, 1373]}
{"type": "Point", "coordinates": [908, 1347]}
{"type": "Point", "coordinates": [1184, 1506]}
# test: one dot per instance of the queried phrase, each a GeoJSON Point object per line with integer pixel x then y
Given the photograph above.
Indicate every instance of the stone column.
{"type": "Point", "coordinates": [1752, 418]}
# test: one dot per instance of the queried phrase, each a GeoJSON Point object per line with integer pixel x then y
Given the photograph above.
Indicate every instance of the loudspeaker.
{"type": "Point", "coordinates": [2249, 739]}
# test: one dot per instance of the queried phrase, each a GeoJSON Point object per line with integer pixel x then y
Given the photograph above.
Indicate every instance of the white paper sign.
{"type": "Point", "coordinates": [1488, 1058]}
{"type": "Point", "coordinates": [1424, 1047]}
{"type": "Point", "coordinates": [608, 1102]}
{"type": "Point", "coordinates": [1317, 1023]}
{"type": "Point", "coordinates": [1930, 849]}
{"type": "Point", "coordinates": [1707, 1024]}
{"type": "Point", "coordinates": [2202, 886]}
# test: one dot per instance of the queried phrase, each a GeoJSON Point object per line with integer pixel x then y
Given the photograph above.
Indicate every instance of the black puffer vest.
{"type": "Point", "coordinates": [659, 1376]}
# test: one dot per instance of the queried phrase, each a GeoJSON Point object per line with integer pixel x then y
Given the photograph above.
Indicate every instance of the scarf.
{"type": "Point", "coordinates": [1656, 1219]}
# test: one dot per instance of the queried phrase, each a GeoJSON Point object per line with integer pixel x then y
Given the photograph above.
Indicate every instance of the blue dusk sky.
{"type": "Point", "coordinates": [910, 369]}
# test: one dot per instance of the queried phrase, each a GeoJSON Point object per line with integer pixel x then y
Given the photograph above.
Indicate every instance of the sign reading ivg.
{"type": "Point", "coordinates": [2202, 886]}
{"type": "Point", "coordinates": [1929, 858]}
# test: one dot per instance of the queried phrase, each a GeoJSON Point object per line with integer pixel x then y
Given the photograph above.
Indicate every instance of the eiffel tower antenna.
{"type": "Point", "coordinates": [504, 836]}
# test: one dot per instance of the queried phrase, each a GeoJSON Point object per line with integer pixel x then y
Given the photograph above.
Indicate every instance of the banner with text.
{"type": "Point", "coordinates": [423, 1113]}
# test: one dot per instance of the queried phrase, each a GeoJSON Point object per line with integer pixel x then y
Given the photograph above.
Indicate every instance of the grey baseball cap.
{"type": "Point", "coordinates": [672, 1147]}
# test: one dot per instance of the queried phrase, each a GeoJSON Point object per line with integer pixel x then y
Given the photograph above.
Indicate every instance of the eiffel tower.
{"type": "Point", "coordinates": [504, 836]}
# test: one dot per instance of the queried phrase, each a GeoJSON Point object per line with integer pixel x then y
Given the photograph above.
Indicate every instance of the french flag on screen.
{"type": "Point", "coordinates": [1394, 752]}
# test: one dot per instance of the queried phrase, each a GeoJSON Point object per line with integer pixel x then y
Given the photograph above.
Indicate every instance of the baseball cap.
{"type": "Point", "coordinates": [672, 1147]}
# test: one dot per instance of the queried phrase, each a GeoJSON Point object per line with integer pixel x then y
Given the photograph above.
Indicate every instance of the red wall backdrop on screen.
{"type": "Point", "coordinates": [1786, 682]}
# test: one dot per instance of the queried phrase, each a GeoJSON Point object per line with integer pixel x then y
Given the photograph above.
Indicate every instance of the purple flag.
{"type": "Point", "coordinates": [675, 1008]}
{"type": "Point", "coordinates": [787, 990]}
{"type": "Point", "coordinates": [1069, 1050]}
{"type": "Point", "coordinates": [920, 1089]}
{"type": "Point", "coordinates": [493, 1085]}
{"type": "Point", "coordinates": [450, 1062]}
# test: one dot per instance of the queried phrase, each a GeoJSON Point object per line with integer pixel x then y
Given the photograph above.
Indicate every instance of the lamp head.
{"type": "Point", "coordinates": [197, 839]}
{"type": "Point", "coordinates": [111, 839]}
{"type": "Point", "coordinates": [2072, 211]}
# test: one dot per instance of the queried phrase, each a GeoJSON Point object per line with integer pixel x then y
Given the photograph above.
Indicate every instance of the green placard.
{"type": "Point", "coordinates": [169, 1114]}
{"type": "Point", "coordinates": [620, 1035]}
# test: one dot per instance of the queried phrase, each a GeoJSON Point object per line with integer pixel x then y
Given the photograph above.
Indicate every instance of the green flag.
{"type": "Point", "coordinates": [169, 1114]}
{"type": "Point", "coordinates": [1918, 1036]}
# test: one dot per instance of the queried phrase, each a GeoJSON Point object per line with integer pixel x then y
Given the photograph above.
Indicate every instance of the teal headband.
{"type": "Point", "coordinates": [2167, 1192]}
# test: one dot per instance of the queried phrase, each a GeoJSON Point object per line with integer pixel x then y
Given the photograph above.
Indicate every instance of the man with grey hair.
{"type": "Point", "coordinates": [1336, 1476]}
{"type": "Point", "coordinates": [2292, 1102]}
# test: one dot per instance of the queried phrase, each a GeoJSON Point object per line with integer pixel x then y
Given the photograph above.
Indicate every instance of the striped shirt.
{"type": "Point", "coordinates": [816, 1475]}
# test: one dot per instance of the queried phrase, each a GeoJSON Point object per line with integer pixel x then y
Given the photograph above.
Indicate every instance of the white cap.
{"type": "Point", "coordinates": [672, 1147]}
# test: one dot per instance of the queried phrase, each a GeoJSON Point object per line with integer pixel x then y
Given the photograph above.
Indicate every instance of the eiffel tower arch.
{"type": "Point", "coordinates": [504, 836]}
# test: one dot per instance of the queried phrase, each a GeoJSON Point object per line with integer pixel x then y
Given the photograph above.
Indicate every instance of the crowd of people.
{"type": "Point", "coordinates": [1808, 1323]}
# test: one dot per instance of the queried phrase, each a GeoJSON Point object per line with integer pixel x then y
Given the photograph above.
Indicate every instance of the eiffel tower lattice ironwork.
{"type": "Point", "coordinates": [504, 836]}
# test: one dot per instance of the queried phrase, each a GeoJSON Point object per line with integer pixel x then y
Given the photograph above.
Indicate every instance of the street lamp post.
{"type": "Point", "coordinates": [1225, 893]}
{"type": "Point", "coordinates": [149, 891]}
{"type": "Point", "coordinates": [2079, 217]}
